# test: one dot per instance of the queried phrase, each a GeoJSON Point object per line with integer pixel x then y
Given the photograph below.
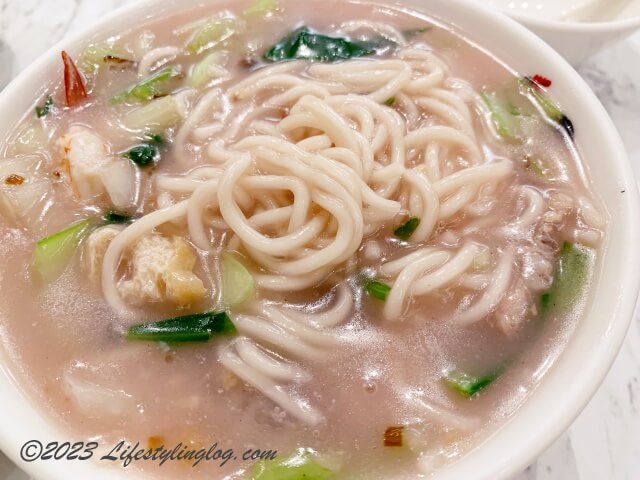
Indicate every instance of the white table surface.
{"type": "Point", "coordinates": [604, 442]}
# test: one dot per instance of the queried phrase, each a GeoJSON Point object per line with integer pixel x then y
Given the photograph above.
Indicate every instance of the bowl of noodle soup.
{"type": "Point", "coordinates": [384, 239]}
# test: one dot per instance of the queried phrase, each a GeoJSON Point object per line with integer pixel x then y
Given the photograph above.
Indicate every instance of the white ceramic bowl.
{"type": "Point", "coordinates": [567, 386]}
{"type": "Point", "coordinates": [574, 40]}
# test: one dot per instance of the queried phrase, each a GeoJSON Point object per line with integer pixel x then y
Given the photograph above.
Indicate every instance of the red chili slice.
{"type": "Point", "coordinates": [74, 88]}
{"type": "Point", "coordinates": [542, 81]}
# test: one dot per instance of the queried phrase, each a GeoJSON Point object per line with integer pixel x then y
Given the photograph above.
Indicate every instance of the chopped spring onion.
{"type": "Point", "coordinates": [237, 282]}
{"type": "Point", "coordinates": [260, 8]}
{"type": "Point", "coordinates": [404, 231]}
{"type": "Point", "coordinates": [550, 109]}
{"type": "Point", "coordinates": [501, 116]}
{"type": "Point", "coordinates": [116, 217]}
{"type": "Point", "coordinates": [390, 101]}
{"type": "Point", "coordinates": [393, 437]}
{"type": "Point", "coordinates": [202, 72]}
{"type": "Point", "coordinates": [211, 34]}
{"type": "Point", "coordinates": [53, 253]}
{"type": "Point", "coordinates": [162, 113]}
{"type": "Point", "coordinates": [189, 328]}
{"type": "Point", "coordinates": [299, 466]}
{"type": "Point", "coordinates": [468, 385]}
{"type": "Point", "coordinates": [45, 109]}
{"type": "Point", "coordinates": [74, 88]}
{"type": "Point", "coordinates": [304, 44]}
{"type": "Point", "coordinates": [377, 289]}
{"type": "Point", "coordinates": [148, 88]}
{"type": "Point", "coordinates": [144, 155]}
{"type": "Point", "coordinates": [572, 273]}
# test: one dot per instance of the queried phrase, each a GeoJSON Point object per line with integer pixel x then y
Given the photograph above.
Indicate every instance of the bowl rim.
{"type": "Point", "coordinates": [587, 381]}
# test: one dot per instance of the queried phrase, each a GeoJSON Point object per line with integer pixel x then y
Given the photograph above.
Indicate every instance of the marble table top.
{"type": "Point", "coordinates": [604, 442]}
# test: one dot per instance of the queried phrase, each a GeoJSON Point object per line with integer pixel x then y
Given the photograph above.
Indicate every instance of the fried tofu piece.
{"type": "Point", "coordinates": [162, 271]}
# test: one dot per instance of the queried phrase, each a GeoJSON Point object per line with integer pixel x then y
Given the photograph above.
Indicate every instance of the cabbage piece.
{"type": "Point", "coordinates": [147, 88]}
{"type": "Point", "coordinates": [159, 114]}
{"type": "Point", "coordinates": [97, 55]}
{"type": "Point", "coordinates": [24, 202]}
{"type": "Point", "coordinates": [299, 466]}
{"type": "Point", "coordinates": [504, 121]}
{"type": "Point", "coordinates": [261, 8]}
{"type": "Point", "coordinates": [572, 274]}
{"type": "Point", "coordinates": [208, 69]}
{"type": "Point", "coordinates": [212, 34]}
{"type": "Point", "coordinates": [53, 253]}
{"type": "Point", "coordinates": [237, 282]}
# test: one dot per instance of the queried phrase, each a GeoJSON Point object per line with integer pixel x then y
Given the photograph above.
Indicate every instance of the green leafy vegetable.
{"type": "Point", "coordinates": [160, 114]}
{"type": "Point", "coordinates": [237, 282]}
{"type": "Point", "coordinates": [299, 466]}
{"type": "Point", "coordinates": [97, 55]}
{"type": "Point", "coordinates": [144, 155]}
{"type": "Point", "coordinates": [572, 273]}
{"type": "Point", "coordinates": [156, 138]}
{"type": "Point", "coordinates": [404, 231]}
{"type": "Point", "coordinates": [468, 385]}
{"type": "Point", "coordinates": [116, 217]}
{"type": "Point", "coordinates": [148, 88]}
{"type": "Point", "coordinates": [53, 253]}
{"type": "Point", "coordinates": [46, 107]}
{"type": "Point", "coordinates": [304, 44]}
{"type": "Point", "coordinates": [201, 74]}
{"type": "Point", "coordinates": [390, 101]}
{"type": "Point", "coordinates": [550, 109]}
{"type": "Point", "coordinates": [378, 289]}
{"type": "Point", "coordinates": [189, 328]}
{"type": "Point", "coordinates": [212, 34]}
{"type": "Point", "coordinates": [260, 8]}
{"type": "Point", "coordinates": [501, 116]}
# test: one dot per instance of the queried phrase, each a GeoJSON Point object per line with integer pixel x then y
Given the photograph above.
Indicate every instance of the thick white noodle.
{"type": "Point", "coordinates": [299, 164]}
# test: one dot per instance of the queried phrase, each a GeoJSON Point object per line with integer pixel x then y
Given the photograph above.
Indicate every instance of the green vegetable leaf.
{"type": "Point", "coordinates": [46, 108]}
{"type": "Point", "coordinates": [572, 274]}
{"type": "Point", "coordinates": [144, 155]}
{"type": "Point", "coordinates": [237, 282]}
{"type": "Point", "coordinates": [53, 253]}
{"type": "Point", "coordinates": [304, 44]}
{"type": "Point", "coordinates": [156, 138]}
{"type": "Point", "coordinates": [501, 116]}
{"type": "Point", "coordinates": [378, 289]}
{"type": "Point", "coordinates": [158, 114]}
{"type": "Point", "coordinates": [201, 72]}
{"type": "Point", "coordinates": [260, 8]}
{"type": "Point", "coordinates": [212, 34]}
{"type": "Point", "coordinates": [468, 385]}
{"type": "Point", "coordinates": [116, 217]}
{"type": "Point", "coordinates": [299, 466]}
{"type": "Point", "coordinates": [148, 88]}
{"type": "Point", "coordinates": [404, 231]}
{"type": "Point", "coordinates": [550, 109]}
{"type": "Point", "coordinates": [189, 328]}
{"type": "Point", "coordinates": [390, 101]}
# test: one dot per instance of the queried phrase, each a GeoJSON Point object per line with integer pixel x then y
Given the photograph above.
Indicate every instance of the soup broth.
{"type": "Point", "coordinates": [392, 230]}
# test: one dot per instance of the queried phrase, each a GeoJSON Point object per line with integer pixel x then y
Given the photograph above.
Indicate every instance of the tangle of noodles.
{"type": "Point", "coordinates": [304, 162]}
